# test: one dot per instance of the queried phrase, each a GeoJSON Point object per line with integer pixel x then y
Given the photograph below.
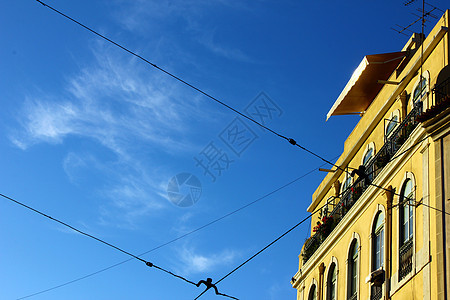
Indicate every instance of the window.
{"type": "Point", "coordinates": [312, 293]}
{"type": "Point", "coordinates": [346, 195]}
{"type": "Point", "coordinates": [367, 158]}
{"type": "Point", "coordinates": [368, 155]}
{"type": "Point", "coordinates": [331, 283]}
{"type": "Point", "coordinates": [347, 183]}
{"type": "Point", "coordinates": [406, 223]}
{"type": "Point", "coordinates": [391, 125]}
{"type": "Point", "coordinates": [353, 271]}
{"type": "Point", "coordinates": [378, 242]}
{"type": "Point", "coordinates": [376, 291]}
{"type": "Point", "coordinates": [406, 212]}
{"type": "Point", "coordinates": [420, 90]}
{"type": "Point", "coordinates": [392, 122]}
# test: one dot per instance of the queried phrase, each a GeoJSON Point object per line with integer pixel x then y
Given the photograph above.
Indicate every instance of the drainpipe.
{"type": "Point", "coordinates": [388, 249]}
{"type": "Point", "coordinates": [321, 272]}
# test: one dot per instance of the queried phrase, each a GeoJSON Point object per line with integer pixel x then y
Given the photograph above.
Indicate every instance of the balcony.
{"type": "Point", "coordinates": [376, 293]}
{"type": "Point", "coordinates": [441, 93]}
{"type": "Point", "coordinates": [351, 195]}
{"type": "Point", "coordinates": [406, 253]}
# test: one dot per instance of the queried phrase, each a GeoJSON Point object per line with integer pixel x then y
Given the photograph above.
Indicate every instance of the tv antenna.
{"type": "Point", "coordinates": [426, 11]}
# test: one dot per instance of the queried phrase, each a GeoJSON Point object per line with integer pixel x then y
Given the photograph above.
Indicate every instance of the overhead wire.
{"type": "Point", "coordinates": [265, 247]}
{"type": "Point", "coordinates": [290, 140]}
{"type": "Point", "coordinates": [179, 237]}
{"type": "Point", "coordinates": [147, 263]}
{"type": "Point", "coordinates": [319, 209]}
{"type": "Point", "coordinates": [417, 203]}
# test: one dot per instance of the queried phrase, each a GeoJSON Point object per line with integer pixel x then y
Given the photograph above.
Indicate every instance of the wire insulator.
{"type": "Point", "coordinates": [292, 141]}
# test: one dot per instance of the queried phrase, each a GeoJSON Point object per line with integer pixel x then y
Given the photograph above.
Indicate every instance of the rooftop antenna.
{"type": "Point", "coordinates": [425, 13]}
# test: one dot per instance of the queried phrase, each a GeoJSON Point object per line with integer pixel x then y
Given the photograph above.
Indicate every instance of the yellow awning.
{"type": "Point", "coordinates": [363, 86]}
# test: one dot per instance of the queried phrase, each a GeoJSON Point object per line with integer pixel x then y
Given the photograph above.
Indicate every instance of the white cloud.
{"type": "Point", "coordinates": [195, 262]}
{"type": "Point", "coordinates": [115, 103]}
{"type": "Point", "coordinates": [136, 116]}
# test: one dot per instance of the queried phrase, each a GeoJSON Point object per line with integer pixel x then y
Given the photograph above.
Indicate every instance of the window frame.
{"type": "Point", "coordinates": [370, 146]}
{"type": "Point", "coordinates": [406, 209]}
{"type": "Point", "coordinates": [375, 233]}
{"type": "Point", "coordinates": [333, 263]}
{"type": "Point", "coordinates": [353, 266]}
{"type": "Point", "coordinates": [423, 96]}
{"type": "Point", "coordinates": [369, 171]}
{"type": "Point", "coordinates": [395, 113]}
{"type": "Point", "coordinates": [401, 241]}
{"type": "Point", "coordinates": [312, 293]}
{"type": "Point", "coordinates": [346, 183]}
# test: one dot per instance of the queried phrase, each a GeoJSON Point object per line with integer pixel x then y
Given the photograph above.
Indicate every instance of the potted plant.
{"type": "Point", "coordinates": [409, 127]}
{"type": "Point", "coordinates": [356, 193]}
{"type": "Point", "coordinates": [324, 228]}
{"type": "Point", "coordinates": [310, 246]}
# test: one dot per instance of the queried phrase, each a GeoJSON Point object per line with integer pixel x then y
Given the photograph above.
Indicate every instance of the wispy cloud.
{"type": "Point", "coordinates": [144, 17]}
{"type": "Point", "coordinates": [134, 115]}
{"type": "Point", "coordinates": [193, 262]}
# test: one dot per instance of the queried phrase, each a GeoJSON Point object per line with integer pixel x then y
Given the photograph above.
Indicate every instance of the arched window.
{"type": "Point", "coordinates": [346, 184]}
{"type": "Point", "coordinates": [420, 89]}
{"type": "Point", "coordinates": [376, 291]}
{"type": "Point", "coordinates": [406, 212]}
{"type": "Point", "coordinates": [312, 293]}
{"type": "Point", "coordinates": [369, 153]}
{"type": "Point", "coordinates": [353, 271]}
{"type": "Point", "coordinates": [406, 222]}
{"type": "Point", "coordinates": [378, 242]}
{"type": "Point", "coordinates": [331, 282]}
{"type": "Point", "coordinates": [392, 122]}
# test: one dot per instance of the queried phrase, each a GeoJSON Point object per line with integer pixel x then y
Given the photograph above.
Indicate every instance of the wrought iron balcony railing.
{"type": "Point", "coordinates": [406, 253]}
{"type": "Point", "coordinates": [353, 297]}
{"type": "Point", "coordinates": [373, 168]}
{"type": "Point", "coordinates": [441, 91]}
{"type": "Point", "coordinates": [376, 293]}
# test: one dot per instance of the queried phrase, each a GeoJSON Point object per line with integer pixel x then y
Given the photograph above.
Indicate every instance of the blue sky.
{"type": "Point", "coordinates": [92, 136]}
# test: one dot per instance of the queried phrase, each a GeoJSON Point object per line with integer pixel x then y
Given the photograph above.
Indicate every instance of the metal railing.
{"type": "Point", "coordinates": [349, 197]}
{"type": "Point", "coordinates": [406, 253]}
{"type": "Point", "coordinates": [353, 297]}
{"type": "Point", "coordinates": [376, 293]}
{"type": "Point", "coordinates": [441, 91]}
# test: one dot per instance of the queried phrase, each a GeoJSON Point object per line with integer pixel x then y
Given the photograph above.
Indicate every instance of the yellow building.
{"type": "Point", "coordinates": [381, 217]}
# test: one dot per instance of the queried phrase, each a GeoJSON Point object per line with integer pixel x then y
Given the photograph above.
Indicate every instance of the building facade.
{"type": "Point", "coordinates": [381, 217]}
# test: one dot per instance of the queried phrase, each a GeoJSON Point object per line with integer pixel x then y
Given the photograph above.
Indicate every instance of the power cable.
{"type": "Point", "coordinates": [317, 210]}
{"type": "Point", "coordinates": [290, 140]}
{"type": "Point", "coordinates": [417, 203]}
{"type": "Point", "coordinates": [179, 237]}
{"type": "Point", "coordinates": [147, 263]}
{"type": "Point", "coordinates": [267, 246]}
